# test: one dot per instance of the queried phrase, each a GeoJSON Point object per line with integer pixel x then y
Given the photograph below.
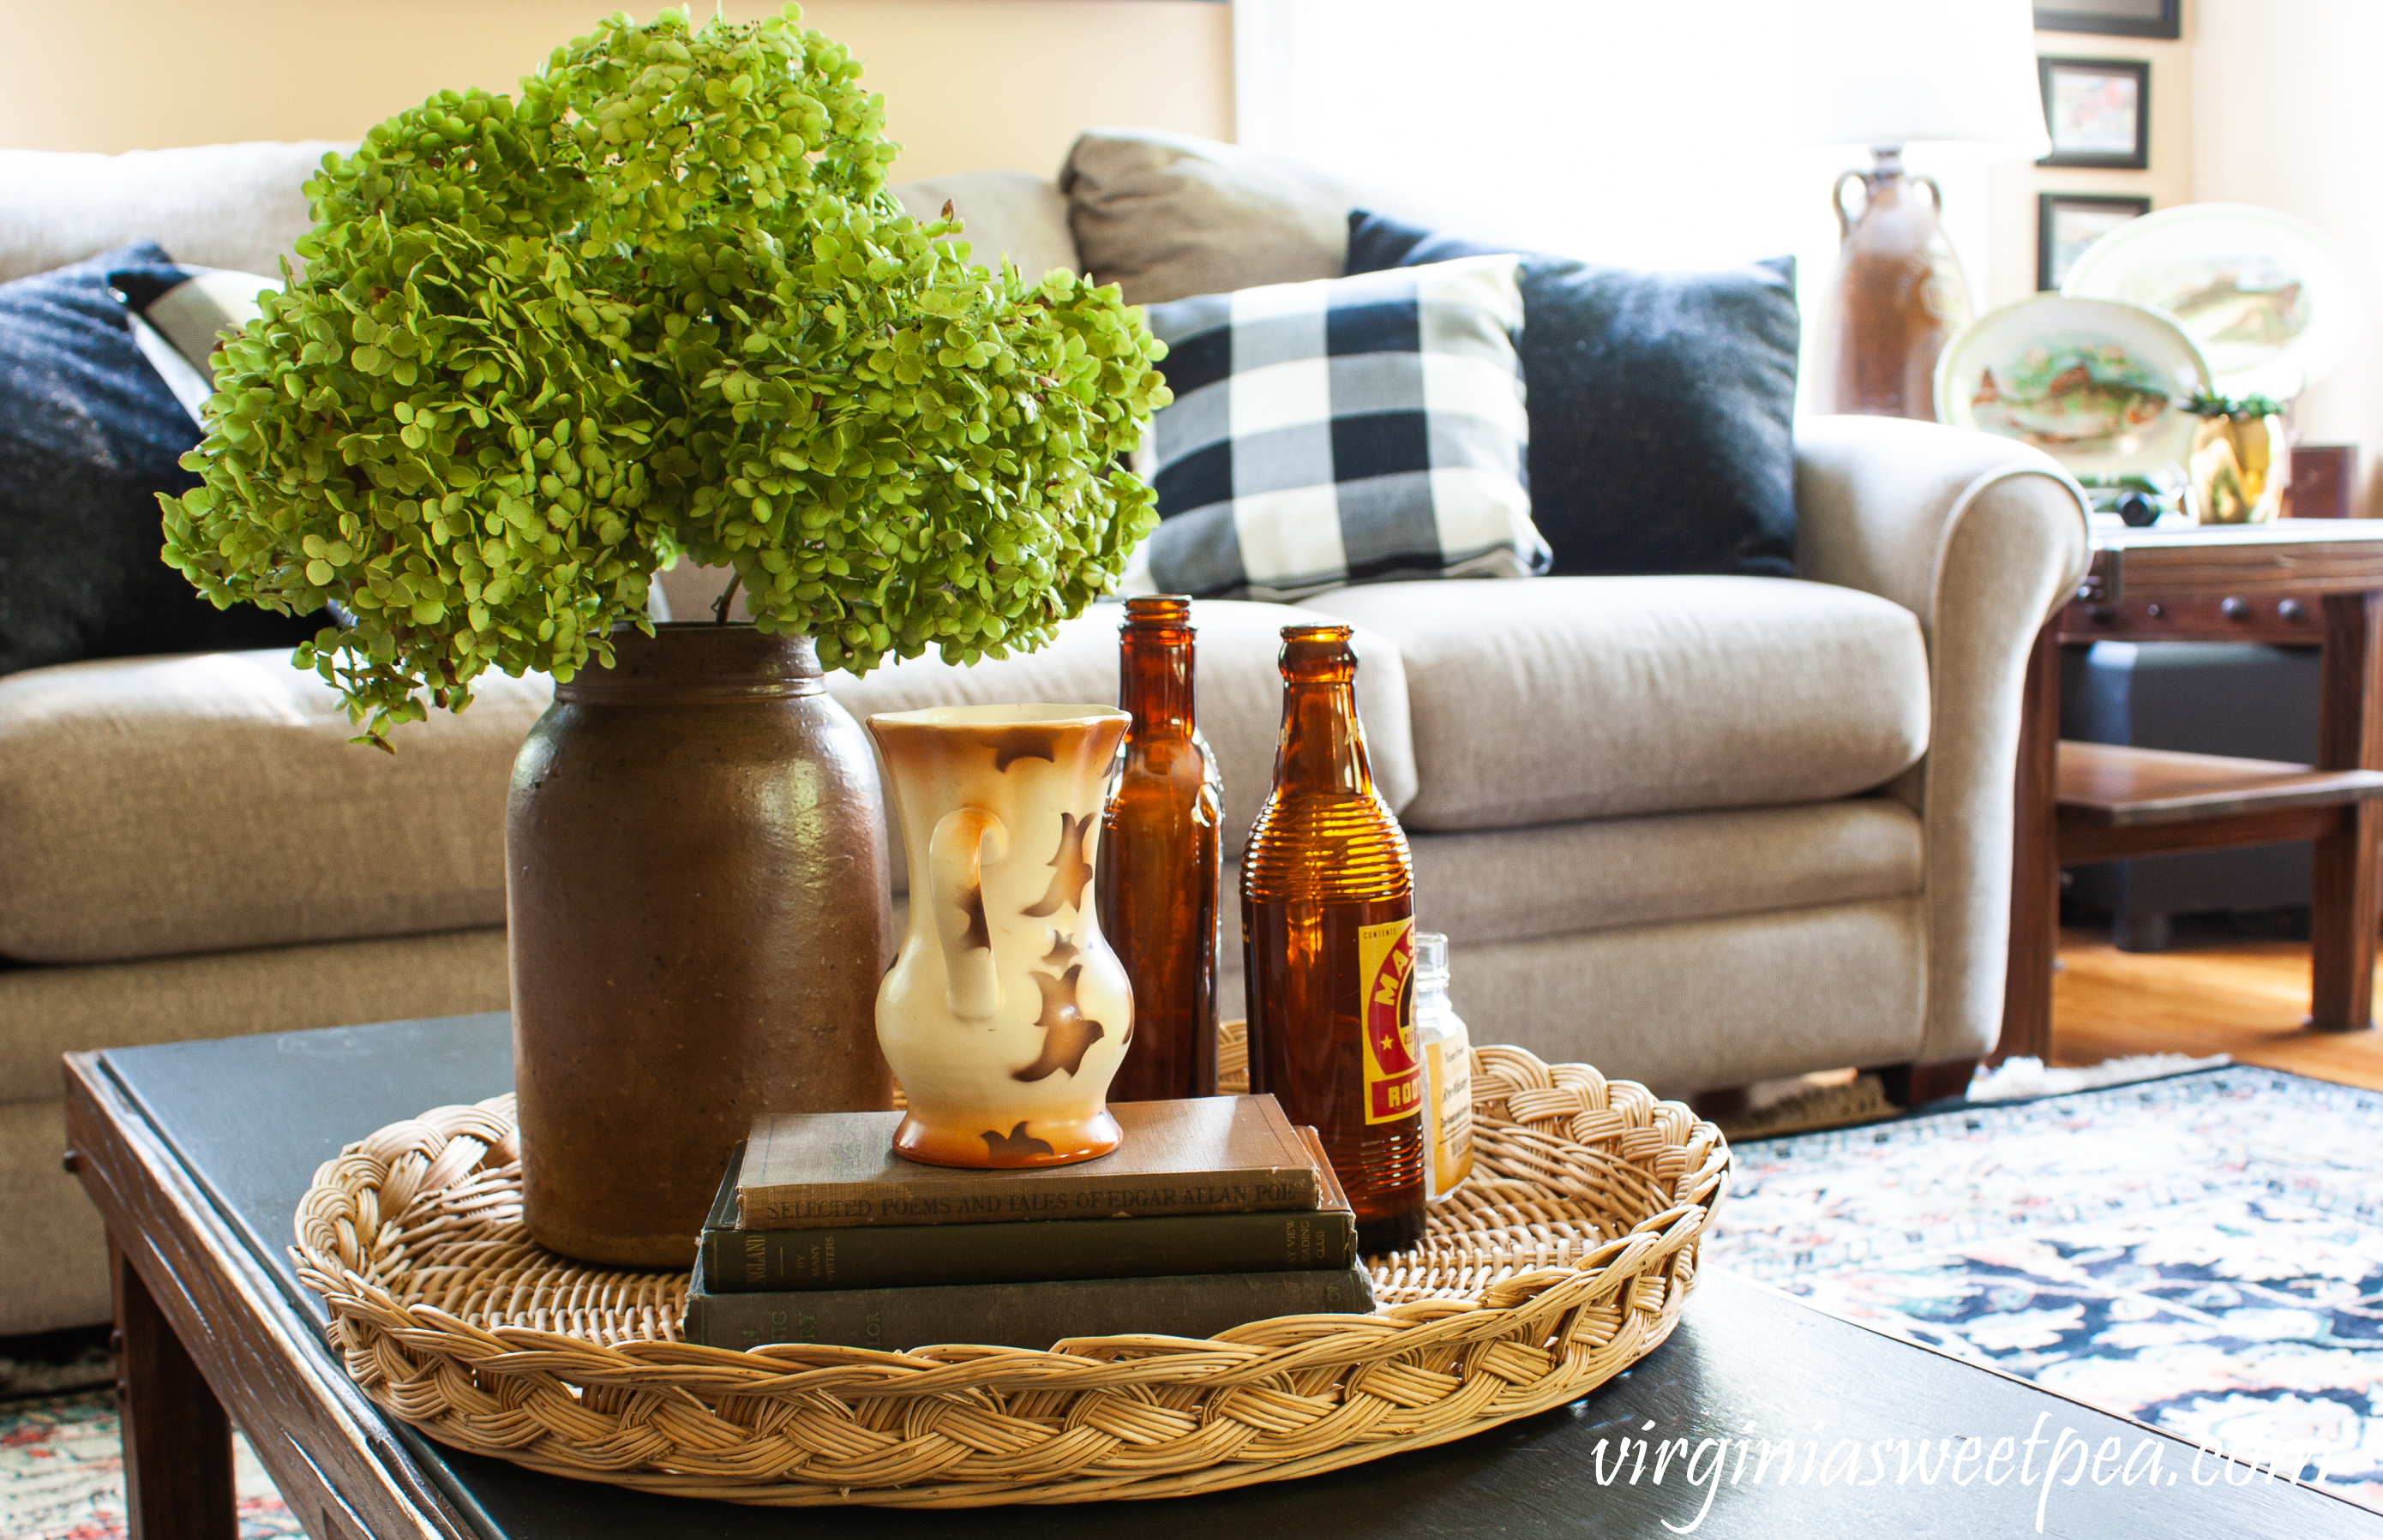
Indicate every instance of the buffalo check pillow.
{"type": "Point", "coordinates": [1347, 430]}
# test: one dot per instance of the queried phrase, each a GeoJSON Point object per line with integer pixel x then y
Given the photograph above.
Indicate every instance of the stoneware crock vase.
{"type": "Point", "coordinates": [1006, 1014]}
{"type": "Point", "coordinates": [697, 908]}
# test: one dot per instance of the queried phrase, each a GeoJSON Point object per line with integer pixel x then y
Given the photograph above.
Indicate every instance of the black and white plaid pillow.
{"type": "Point", "coordinates": [1341, 431]}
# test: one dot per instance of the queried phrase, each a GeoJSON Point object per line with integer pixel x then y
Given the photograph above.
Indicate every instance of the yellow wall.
{"type": "Point", "coordinates": [969, 84]}
{"type": "Point", "coordinates": [2286, 112]}
{"type": "Point", "coordinates": [2015, 188]}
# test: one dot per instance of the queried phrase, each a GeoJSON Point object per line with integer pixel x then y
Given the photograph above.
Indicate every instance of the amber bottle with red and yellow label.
{"type": "Point", "coordinates": [1327, 930]}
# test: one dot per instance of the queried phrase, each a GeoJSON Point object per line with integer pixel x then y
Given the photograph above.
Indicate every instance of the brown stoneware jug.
{"type": "Point", "coordinates": [696, 906]}
{"type": "Point", "coordinates": [1900, 295]}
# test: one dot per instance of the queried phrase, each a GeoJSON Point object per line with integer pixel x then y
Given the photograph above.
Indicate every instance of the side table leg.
{"type": "Point", "coordinates": [2035, 862]}
{"type": "Point", "coordinates": [2343, 899]}
{"type": "Point", "coordinates": [177, 1440]}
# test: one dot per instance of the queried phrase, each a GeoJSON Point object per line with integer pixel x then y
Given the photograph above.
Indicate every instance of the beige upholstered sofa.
{"type": "Point", "coordinates": [1698, 830]}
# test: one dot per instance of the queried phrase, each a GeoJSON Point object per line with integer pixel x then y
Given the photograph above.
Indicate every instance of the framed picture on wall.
{"type": "Point", "coordinates": [2098, 112]}
{"type": "Point", "coordinates": [2065, 223]}
{"type": "Point", "coordinates": [2112, 18]}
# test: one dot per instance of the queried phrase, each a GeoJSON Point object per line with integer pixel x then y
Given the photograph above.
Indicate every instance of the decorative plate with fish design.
{"type": "Point", "coordinates": [2267, 298]}
{"type": "Point", "coordinates": [2098, 383]}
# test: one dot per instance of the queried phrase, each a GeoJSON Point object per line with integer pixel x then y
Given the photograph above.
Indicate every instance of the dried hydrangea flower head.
{"type": "Point", "coordinates": [661, 305]}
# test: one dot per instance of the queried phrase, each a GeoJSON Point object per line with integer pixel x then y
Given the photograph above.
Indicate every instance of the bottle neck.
{"type": "Point", "coordinates": [1322, 748]}
{"type": "Point", "coordinates": [1155, 682]}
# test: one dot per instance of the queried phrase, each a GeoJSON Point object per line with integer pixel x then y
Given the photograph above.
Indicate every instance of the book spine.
{"type": "Point", "coordinates": [957, 1200]}
{"type": "Point", "coordinates": [743, 1262]}
{"type": "Point", "coordinates": [1020, 1315]}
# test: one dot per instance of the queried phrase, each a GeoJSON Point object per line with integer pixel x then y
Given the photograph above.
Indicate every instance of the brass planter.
{"type": "Point", "coordinates": [2234, 465]}
{"type": "Point", "coordinates": [697, 908]}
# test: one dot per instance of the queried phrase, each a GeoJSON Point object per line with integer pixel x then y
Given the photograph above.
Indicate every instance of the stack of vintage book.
{"type": "Point", "coordinates": [1212, 1212]}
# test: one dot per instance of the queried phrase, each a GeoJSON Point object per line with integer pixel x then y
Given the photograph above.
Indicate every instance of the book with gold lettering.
{"type": "Point", "coordinates": [1206, 1155]}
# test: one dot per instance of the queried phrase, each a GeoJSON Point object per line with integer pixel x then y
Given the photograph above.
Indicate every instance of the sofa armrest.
{"type": "Point", "coordinates": [1981, 538]}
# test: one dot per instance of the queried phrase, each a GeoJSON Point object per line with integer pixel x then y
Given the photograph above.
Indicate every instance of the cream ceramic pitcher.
{"type": "Point", "coordinates": [1005, 1015]}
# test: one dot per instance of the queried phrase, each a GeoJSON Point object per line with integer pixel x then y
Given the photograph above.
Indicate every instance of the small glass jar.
{"type": "Point", "coordinates": [1447, 1068]}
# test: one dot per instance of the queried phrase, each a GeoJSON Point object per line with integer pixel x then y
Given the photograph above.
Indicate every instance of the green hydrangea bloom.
{"type": "Point", "coordinates": [663, 304]}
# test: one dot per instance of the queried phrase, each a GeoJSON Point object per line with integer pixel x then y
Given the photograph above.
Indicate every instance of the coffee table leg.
{"type": "Point", "coordinates": [177, 1440]}
{"type": "Point", "coordinates": [2343, 899]}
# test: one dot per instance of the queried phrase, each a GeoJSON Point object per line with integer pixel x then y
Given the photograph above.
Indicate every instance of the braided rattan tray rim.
{"type": "Point", "coordinates": [1567, 1258]}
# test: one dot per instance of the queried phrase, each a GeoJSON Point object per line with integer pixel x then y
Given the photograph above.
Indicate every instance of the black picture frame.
{"type": "Point", "coordinates": [2114, 18]}
{"type": "Point", "coordinates": [2050, 206]}
{"type": "Point", "coordinates": [2139, 71]}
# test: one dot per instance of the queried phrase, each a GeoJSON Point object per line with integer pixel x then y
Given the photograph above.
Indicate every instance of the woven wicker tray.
{"type": "Point", "coordinates": [1567, 1256]}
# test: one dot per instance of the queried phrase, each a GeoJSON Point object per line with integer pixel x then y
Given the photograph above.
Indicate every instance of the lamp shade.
{"type": "Point", "coordinates": [1885, 73]}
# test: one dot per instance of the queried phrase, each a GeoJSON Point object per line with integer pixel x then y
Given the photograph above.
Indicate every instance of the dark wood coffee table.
{"type": "Point", "coordinates": [197, 1153]}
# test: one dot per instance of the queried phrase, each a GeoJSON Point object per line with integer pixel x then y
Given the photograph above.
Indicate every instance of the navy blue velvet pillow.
{"type": "Point", "coordinates": [1661, 405]}
{"type": "Point", "coordinates": [89, 437]}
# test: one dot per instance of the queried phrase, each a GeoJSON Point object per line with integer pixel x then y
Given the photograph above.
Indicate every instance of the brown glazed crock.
{"type": "Point", "coordinates": [697, 915]}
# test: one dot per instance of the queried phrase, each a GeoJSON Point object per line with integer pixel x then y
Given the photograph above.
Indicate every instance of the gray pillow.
{"type": "Point", "coordinates": [1166, 217]}
{"type": "Point", "coordinates": [217, 205]}
{"type": "Point", "coordinates": [1011, 214]}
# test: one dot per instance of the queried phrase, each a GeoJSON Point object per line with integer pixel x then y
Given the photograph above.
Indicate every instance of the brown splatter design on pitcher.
{"type": "Point", "coordinates": [1070, 872]}
{"type": "Point", "coordinates": [1067, 1032]}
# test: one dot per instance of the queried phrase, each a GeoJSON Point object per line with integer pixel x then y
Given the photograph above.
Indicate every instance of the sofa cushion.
{"type": "Point", "coordinates": [1239, 684]}
{"type": "Point", "coordinates": [1661, 405]}
{"type": "Point", "coordinates": [1168, 216]}
{"type": "Point", "coordinates": [1349, 430]}
{"type": "Point", "coordinates": [45, 1012]}
{"type": "Point", "coordinates": [1660, 868]}
{"type": "Point", "coordinates": [216, 206]}
{"type": "Point", "coordinates": [1576, 697]}
{"type": "Point", "coordinates": [1012, 214]}
{"type": "Point", "coordinates": [196, 803]}
{"type": "Point", "coordinates": [1710, 1003]}
{"type": "Point", "coordinates": [89, 434]}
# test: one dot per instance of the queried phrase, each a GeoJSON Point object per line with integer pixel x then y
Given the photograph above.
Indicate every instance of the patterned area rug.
{"type": "Point", "coordinates": [2203, 1253]}
{"type": "Point", "coordinates": [62, 1474]}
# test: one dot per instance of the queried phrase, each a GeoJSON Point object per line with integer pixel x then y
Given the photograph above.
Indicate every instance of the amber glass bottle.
{"type": "Point", "coordinates": [1160, 860]}
{"type": "Point", "coordinates": [1328, 927]}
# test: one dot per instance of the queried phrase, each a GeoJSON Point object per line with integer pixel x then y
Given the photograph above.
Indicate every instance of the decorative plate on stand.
{"type": "Point", "coordinates": [2267, 298]}
{"type": "Point", "coordinates": [2098, 383]}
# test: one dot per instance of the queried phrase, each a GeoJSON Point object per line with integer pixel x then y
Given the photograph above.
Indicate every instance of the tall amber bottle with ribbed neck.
{"type": "Point", "coordinates": [1160, 860]}
{"type": "Point", "coordinates": [1327, 928]}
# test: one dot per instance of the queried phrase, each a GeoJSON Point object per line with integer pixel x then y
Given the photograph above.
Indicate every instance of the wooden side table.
{"type": "Point", "coordinates": [2297, 581]}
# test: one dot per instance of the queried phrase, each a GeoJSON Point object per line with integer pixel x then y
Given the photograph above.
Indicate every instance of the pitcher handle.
{"type": "Point", "coordinates": [955, 861]}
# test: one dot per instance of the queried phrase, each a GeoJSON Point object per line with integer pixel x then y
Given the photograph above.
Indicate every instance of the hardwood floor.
{"type": "Point", "coordinates": [2211, 993]}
